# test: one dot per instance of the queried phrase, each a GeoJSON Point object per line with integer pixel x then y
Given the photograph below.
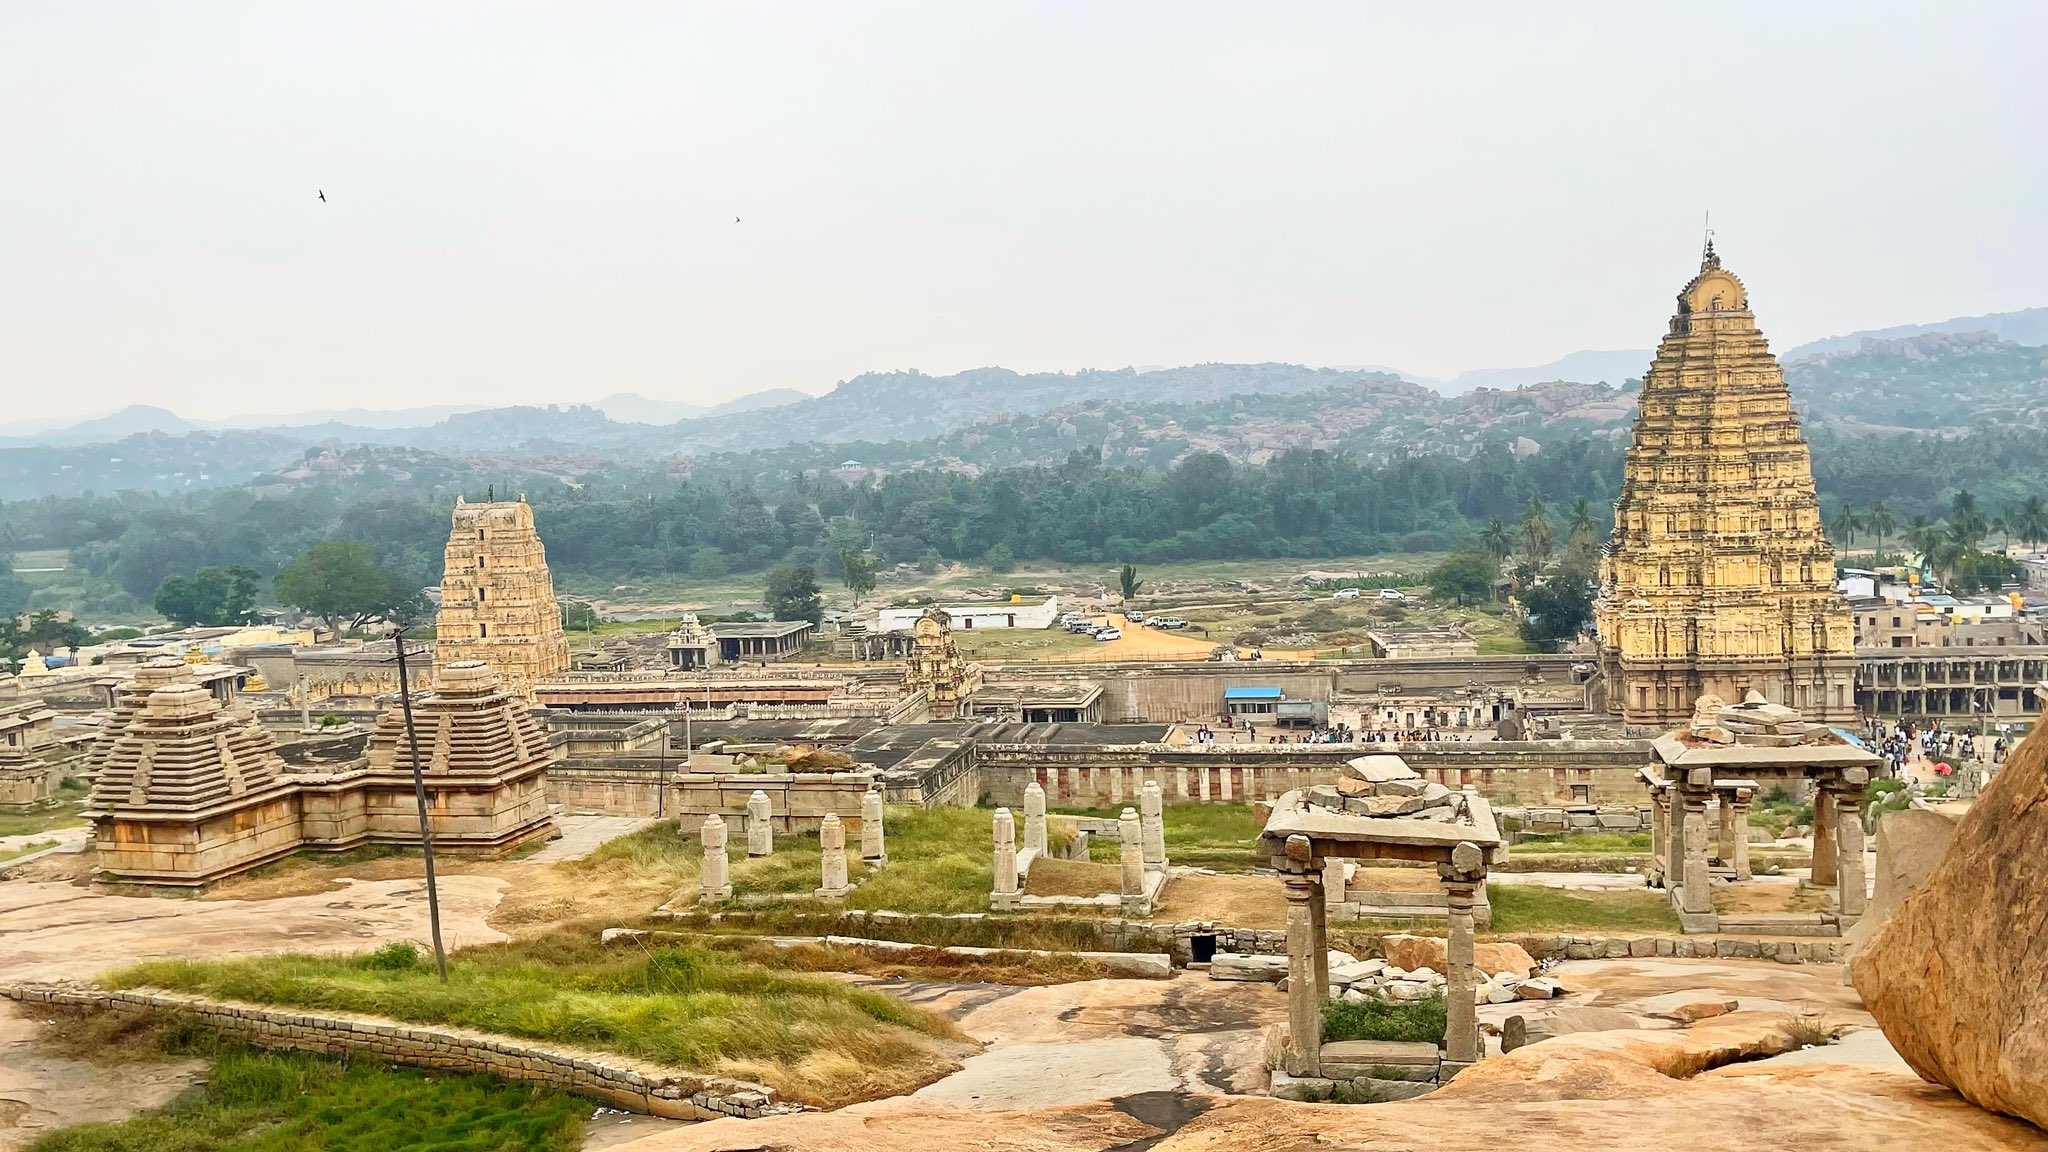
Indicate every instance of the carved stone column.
{"type": "Point", "coordinates": [1850, 893]}
{"type": "Point", "coordinates": [1131, 839]}
{"type": "Point", "coordinates": [1303, 886]}
{"type": "Point", "coordinates": [1004, 894]}
{"type": "Point", "coordinates": [1742, 869]}
{"type": "Point", "coordinates": [1724, 847]}
{"type": "Point", "coordinates": [1461, 878]}
{"type": "Point", "coordinates": [873, 852]}
{"type": "Point", "coordinates": [1823, 839]}
{"type": "Point", "coordinates": [760, 825]}
{"type": "Point", "coordinates": [1152, 825]}
{"type": "Point", "coordinates": [1698, 895]}
{"type": "Point", "coordinates": [1034, 817]}
{"type": "Point", "coordinates": [832, 883]}
{"type": "Point", "coordinates": [1660, 835]}
{"type": "Point", "coordinates": [715, 873]}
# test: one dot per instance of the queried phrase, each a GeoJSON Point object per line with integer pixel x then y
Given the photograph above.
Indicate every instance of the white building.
{"type": "Point", "coordinates": [967, 617]}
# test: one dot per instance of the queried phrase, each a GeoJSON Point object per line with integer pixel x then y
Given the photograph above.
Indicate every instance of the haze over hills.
{"type": "Point", "coordinates": [2026, 326]}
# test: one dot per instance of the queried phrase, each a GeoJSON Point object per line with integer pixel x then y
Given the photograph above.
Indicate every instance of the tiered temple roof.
{"type": "Point", "coordinates": [472, 725]}
{"type": "Point", "coordinates": [1718, 577]}
{"type": "Point", "coordinates": [180, 753]}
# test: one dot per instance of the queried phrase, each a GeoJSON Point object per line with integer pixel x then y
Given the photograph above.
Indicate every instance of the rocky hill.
{"type": "Point", "coordinates": [1935, 381]}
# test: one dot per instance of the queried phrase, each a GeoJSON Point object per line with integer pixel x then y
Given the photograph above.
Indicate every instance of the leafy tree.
{"type": "Point", "coordinates": [579, 616]}
{"type": "Point", "coordinates": [928, 561]}
{"type": "Point", "coordinates": [1001, 559]}
{"type": "Point", "coordinates": [337, 580]}
{"type": "Point", "coordinates": [211, 597]}
{"type": "Point", "coordinates": [14, 591]}
{"type": "Point", "coordinates": [1466, 577]}
{"type": "Point", "coordinates": [1539, 538]}
{"type": "Point", "coordinates": [707, 563]}
{"type": "Point", "coordinates": [2031, 524]}
{"type": "Point", "coordinates": [1127, 582]}
{"type": "Point", "coordinates": [1556, 608]}
{"type": "Point", "coordinates": [793, 594]}
{"type": "Point", "coordinates": [857, 572]}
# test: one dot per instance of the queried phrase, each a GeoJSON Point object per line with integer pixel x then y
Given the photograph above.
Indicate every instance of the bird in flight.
{"type": "Point", "coordinates": [735, 219]}
{"type": "Point", "coordinates": [323, 196]}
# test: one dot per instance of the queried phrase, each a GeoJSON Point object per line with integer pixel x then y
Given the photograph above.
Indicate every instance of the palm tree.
{"type": "Point", "coordinates": [1498, 540]}
{"type": "Point", "coordinates": [1579, 525]}
{"type": "Point", "coordinates": [1538, 536]}
{"type": "Point", "coordinates": [1924, 537]}
{"type": "Point", "coordinates": [1966, 523]}
{"type": "Point", "coordinates": [2032, 525]}
{"type": "Point", "coordinates": [1843, 527]}
{"type": "Point", "coordinates": [1879, 519]}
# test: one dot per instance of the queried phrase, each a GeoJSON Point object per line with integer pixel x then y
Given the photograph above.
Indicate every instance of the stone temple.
{"type": "Point", "coordinates": [497, 599]}
{"type": "Point", "coordinates": [1718, 578]}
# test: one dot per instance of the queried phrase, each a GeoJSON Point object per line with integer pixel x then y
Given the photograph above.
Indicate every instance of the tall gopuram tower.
{"type": "Point", "coordinates": [497, 599]}
{"type": "Point", "coordinates": [1718, 577]}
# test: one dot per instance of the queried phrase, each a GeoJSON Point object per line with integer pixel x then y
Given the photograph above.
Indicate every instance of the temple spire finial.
{"type": "Point", "coordinates": [1707, 257]}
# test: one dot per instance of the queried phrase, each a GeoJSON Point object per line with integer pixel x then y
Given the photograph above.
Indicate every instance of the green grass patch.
{"type": "Point", "coordinates": [1526, 908]}
{"type": "Point", "coordinates": [1218, 836]}
{"type": "Point", "coordinates": [689, 1008]}
{"type": "Point", "coordinates": [62, 812]}
{"type": "Point", "coordinates": [1420, 1021]}
{"type": "Point", "coordinates": [25, 849]}
{"type": "Point", "coordinates": [256, 1101]}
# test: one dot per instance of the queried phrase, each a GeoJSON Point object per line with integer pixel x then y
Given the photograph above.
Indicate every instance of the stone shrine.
{"type": "Point", "coordinates": [937, 669]}
{"type": "Point", "coordinates": [497, 598]}
{"type": "Point", "coordinates": [1718, 577]}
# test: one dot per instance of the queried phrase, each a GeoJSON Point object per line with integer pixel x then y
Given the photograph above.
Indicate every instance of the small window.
{"type": "Point", "coordinates": [479, 594]}
{"type": "Point", "coordinates": [1582, 793]}
{"type": "Point", "coordinates": [483, 631]}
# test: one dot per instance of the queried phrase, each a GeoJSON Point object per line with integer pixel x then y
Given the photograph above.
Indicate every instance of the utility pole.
{"type": "Point", "coordinates": [419, 792]}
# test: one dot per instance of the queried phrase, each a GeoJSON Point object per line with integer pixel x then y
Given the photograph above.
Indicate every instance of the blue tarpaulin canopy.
{"type": "Point", "coordinates": [1251, 693]}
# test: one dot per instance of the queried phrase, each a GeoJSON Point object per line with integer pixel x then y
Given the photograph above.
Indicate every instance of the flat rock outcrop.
{"type": "Point", "coordinates": [1957, 976]}
{"type": "Point", "coordinates": [1412, 952]}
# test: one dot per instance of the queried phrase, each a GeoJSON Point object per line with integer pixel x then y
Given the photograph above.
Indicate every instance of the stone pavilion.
{"type": "Point", "coordinates": [1718, 576]}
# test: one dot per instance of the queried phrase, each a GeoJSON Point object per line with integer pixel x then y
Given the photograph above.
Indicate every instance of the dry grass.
{"type": "Point", "coordinates": [925, 965]}
{"type": "Point", "coordinates": [1073, 878]}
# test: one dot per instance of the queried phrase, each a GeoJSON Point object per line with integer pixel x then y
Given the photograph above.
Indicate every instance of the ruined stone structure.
{"type": "Point", "coordinates": [1718, 577]}
{"type": "Point", "coordinates": [937, 669]}
{"type": "Point", "coordinates": [497, 599]}
{"type": "Point", "coordinates": [25, 730]}
{"type": "Point", "coordinates": [187, 793]}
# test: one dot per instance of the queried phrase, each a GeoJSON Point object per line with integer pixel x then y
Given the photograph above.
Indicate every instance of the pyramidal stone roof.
{"type": "Point", "coordinates": [472, 725]}
{"type": "Point", "coordinates": [178, 752]}
{"type": "Point", "coordinates": [158, 672]}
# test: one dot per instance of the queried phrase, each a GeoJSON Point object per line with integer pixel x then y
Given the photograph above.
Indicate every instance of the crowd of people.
{"type": "Point", "coordinates": [1244, 731]}
{"type": "Point", "coordinates": [1903, 743]}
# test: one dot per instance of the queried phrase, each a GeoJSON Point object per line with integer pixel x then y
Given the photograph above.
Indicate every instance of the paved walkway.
{"type": "Point", "coordinates": [582, 835]}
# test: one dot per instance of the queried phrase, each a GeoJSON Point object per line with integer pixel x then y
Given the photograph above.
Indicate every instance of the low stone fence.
{"type": "Point", "coordinates": [1576, 947]}
{"type": "Point", "coordinates": [615, 1080]}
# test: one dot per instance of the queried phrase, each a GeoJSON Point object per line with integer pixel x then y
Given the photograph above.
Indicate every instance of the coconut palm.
{"type": "Point", "coordinates": [1843, 527]}
{"type": "Point", "coordinates": [1498, 540]}
{"type": "Point", "coordinates": [1965, 523]}
{"type": "Point", "coordinates": [1539, 537]}
{"type": "Point", "coordinates": [2032, 524]}
{"type": "Point", "coordinates": [1879, 519]}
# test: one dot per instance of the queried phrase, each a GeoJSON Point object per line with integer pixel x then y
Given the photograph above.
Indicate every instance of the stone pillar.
{"type": "Point", "coordinates": [1742, 869]}
{"type": "Point", "coordinates": [715, 874]}
{"type": "Point", "coordinates": [1304, 1054]}
{"type": "Point", "coordinates": [1116, 786]}
{"type": "Point", "coordinates": [1461, 878]}
{"type": "Point", "coordinates": [760, 826]}
{"type": "Point", "coordinates": [1660, 835]}
{"type": "Point", "coordinates": [1823, 839]}
{"type": "Point", "coordinates": [1698, 891]}
{"type": "Point", "coordinates": [1204, 770]}
{"type": "Point", "coordinates": [1034, 818]}
{"type": "Point", "coordinates": [1724, 849]}
{"type": "Point", "coordinates": [1333, 880]}
{"type": "Point", "coordinates": [1005, 895]}
{"type": "Point", "coordinates": [1674, 837]}
{"type": "Point", "coordinates": [832, 858]}
{"type": "Point", "coordinates": [1131, 838]}
{"type": "Point", "coordinates": [1224, 792]}
{"type": "Point", "coordinates": [873, 851]}
{"type": "Point", "coordinates": [1152, 825]}
{"type": "Point", "coordinates": [1319, 925]}
{"type": "Point", "coordinates": [1850, 892]}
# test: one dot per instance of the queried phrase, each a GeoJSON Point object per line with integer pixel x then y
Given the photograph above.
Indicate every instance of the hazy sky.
{"type": "Point", "coordinates": [535, 203]}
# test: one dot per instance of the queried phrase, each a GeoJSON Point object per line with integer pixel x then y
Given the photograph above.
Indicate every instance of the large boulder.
{"type": "Point", "coordinates": [1412, 952]}
{"type": "Point", "coordinates": [1957, 976]}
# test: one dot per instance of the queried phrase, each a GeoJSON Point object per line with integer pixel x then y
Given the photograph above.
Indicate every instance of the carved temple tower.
{"type": "Point", "coordinates": [1718, 577]}
{"type": "Point", "coordinates": [497, 599]}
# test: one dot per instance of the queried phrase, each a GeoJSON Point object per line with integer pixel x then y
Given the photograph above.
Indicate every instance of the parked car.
{"type": "Point", "coordinates": [1134, 616]}
{"type": "Point", "coordinates": [1391, 594]}
{"type": "Point", "coordinates": [1109, 633]}
{"type": "Point", "coordinates": [1167, 622]}
{"type": "Point", "coordinates": [1345, 594]}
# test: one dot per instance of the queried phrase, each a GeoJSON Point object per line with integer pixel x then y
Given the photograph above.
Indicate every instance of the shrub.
{"type": "Point", "coordinates": [1421, 1021]}
{"type": "Point", "coordinates": [397, 956]}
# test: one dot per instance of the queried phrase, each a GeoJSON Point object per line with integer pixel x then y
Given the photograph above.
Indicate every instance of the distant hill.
{"type": "Point", "coordinates": [129, 421]}
{"type": "Point", "coordinates": [2026, 326]}
{"type": "Point", "coordinates": [1925, 382]}
{"type": "Point", "coordinates": [1584, 367]}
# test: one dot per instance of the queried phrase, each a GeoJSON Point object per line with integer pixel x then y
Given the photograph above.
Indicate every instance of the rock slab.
{"type": "Point", "coordinates": [1957, 976]}
{"type": "Point", "coordinates": [1412, 952]}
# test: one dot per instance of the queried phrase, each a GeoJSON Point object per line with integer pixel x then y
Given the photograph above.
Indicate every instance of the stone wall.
{"type": "Point", "coordinates": [1544, 772]}
{"type": "Point", "coordinates": [618, 1081]}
